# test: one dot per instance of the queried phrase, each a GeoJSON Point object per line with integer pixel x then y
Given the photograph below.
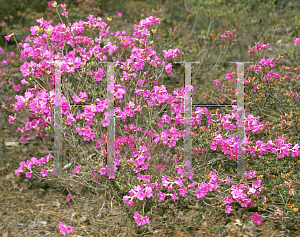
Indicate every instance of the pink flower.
{"type": "Point", "coordinates": [228, 209]}
{"type": "Point", "coordinates": [169, 68]}
{"type": "Point", "coordinates": [50, 4]}
{"type": "Point", "coordinates": [70, 119]}
{"type": "Point", "coordinates": [69, 229]}
{"type": "Point", "coordinates": [174, 196]}
{"type": "Point", "coordinates": [76, 98]}
{"type": "Point", "coordinates": [229, 76]}
{"type": "Point", "coordinates": [228, 199]}
{"type": "Point", "coordinates": [99, 74]}
{"type": "Point", "coordinates": [11, 120]}
{"type": "Point", "coordinates": [83, 95]}
{"type": "Point", "coordinates": [223, 36]}
{"type": "Point", "coordinates": [256, 184]}
{"type": "Point", "coordinates": [28, 174]}
{"type": "Point", "coordinates": [53, 170]}
{"type": "Point", "coordinates": [119, 14]}
{"type": "Point", "coordinates": [64, 14]}
{"type": "Point", "coordinates": [7, 37]}
{"type": "Point", "coordinates": [17, 88]}
{"type": "Point", "coordinates": [256, 218]}
{"type": "Point", "coordinates": [105, 122]}
{"type": "Point", "coordinates": [297, 41]}
{"type": "Point", "coordinates": [252, 191]}
{"type": "Point", "coordinates": [63, 6]}
{"type": "Point", "coordinates": [245, 202]}
{"type": "Point", "coordinates": [139, 220]}
{"type": "Point", "coordinates": [62, 228]}
{"type": "Point", "coordinates": [44, 173]}
{"type": "Point", "coordinates": [23, 82]}
{"type": "Point", "coordinates": [69, 197]}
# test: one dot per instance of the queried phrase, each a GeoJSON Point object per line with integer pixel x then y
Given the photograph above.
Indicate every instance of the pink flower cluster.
{"type": "Point", "coordinates": [257, 47]}
{"type": "Point", "coordinates": [267, 62]}
{"type": "Point", "coordinates": [230, 75]}
{"type": "Point", "coordinates": [237, 192]}
{"type": "Point", "coordinates": [12, 118]}
{"type": "Point", "coordinates": [65, 229]}
{"type": "Point", "coordinates": [227, 34]}
{"type": "Point", "coordinates": [140, 192]}
{"type": "Point", "coordinates": [34, 162]}
{"type": "Point", "coordinates": [256, 218]}
{"type": "Point", "coordinates": [140, 220]}
{"type": "Point", "coordinates": [251, 126]}
{"type": "Point", "coordinates": [273, 75]}
{"type": "Point", "coordinates": [86, 132]}
{"type": "Point", "coordinates": [171, 53]}
{"type": "Point", "coordinates": [205, 188]}
{"type": "Point", "coordinates": [76, 170]}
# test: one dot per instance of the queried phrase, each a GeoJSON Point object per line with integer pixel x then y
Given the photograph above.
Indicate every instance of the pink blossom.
{"type": "Point", "coordinates": [245, 202]}
{"type": "Point", "coordinates": [76, 98]}
{"type": "Point", "coordinates": [297, 41]}
{"type": "Point", "coordinates": [69, 229]}
{"type": "Point", "coordinates": [228, 199]}
{"type": "Point", "coordinates": [169, 68]}
{"type": "Point", "coordinates": [83, 95]}
{"type": "Point", "coordinates": [17, 88]}
{"type": "Point", "coordinates": [7, 37]}
{"type": "Point", "coordinates": [252, 190]}
{"type": "Point", "coordinates": [23, 82]}
{"type": "Point", "coordinates": [62, 228]}
{"type": "Point", "coordinates": [65, 14]}
{"type": "Point", "coordinates": [99, 74]}
{"type": "Point", "coordinates": [11, 119]}
{"type": "Point", "coordinates": [69, 197]}
{"type": "Point", "coordinates": [228, 209]}
{"type": "Point", "coordinates": [50, 4]}
{"type": "Point", "coordinates": [256, 218]}
{"type": "Point", "coordinates": [140, 221]}
{"type": "Point", "coordinates": [44, 173]}
{"type": "Point", "coordinates": [256, 184]}
{"type": "Point", "coordinates": [28, 174]}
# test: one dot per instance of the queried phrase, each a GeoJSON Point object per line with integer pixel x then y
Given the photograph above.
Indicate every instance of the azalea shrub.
{"type": "Point", "coordinates": [271, 92]}
{"type": "Point", "coordinates": [148, 181]}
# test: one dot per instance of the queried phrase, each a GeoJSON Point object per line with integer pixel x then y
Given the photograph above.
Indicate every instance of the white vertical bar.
{"type": "Point", "coordinates": [111, 117]}
{"type": "Point", "coordinates": [240, 121]}
{"type": "Point", "coordinates": [58, 122]}
{"type": "Point", "coordinates": [187, 119]}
